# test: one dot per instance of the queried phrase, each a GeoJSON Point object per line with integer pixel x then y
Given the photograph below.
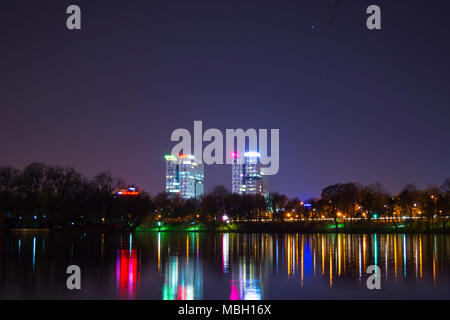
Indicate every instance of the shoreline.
{"type": "Point", "coordinates": [297, 227]}
{"type": "Point", "coordinates": [306, 227]}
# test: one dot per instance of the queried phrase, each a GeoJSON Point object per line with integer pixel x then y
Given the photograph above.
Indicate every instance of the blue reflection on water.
{"type": "Point", "coordinates": [34, 252]}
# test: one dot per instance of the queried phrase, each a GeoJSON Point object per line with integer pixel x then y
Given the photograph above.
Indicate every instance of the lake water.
{"type": "Point", "coordinates": [223, 266]}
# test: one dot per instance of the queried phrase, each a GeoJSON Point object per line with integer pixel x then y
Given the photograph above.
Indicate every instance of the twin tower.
{"type": "Point", "coordinates": [185, 177]}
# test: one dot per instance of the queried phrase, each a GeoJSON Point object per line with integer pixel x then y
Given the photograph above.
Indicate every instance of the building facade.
{"type": "Point", "coordinates": [247, 175]}
{"type": "Point", "coordinates": [184, 177]}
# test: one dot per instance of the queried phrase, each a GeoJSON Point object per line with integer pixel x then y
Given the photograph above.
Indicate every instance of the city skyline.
{"type": "Point", "coordinates": [185, 176]}
{"type": "Point", "coordinates": [246, 154]}
{"type": "Point", "coordinates": [351, 104]}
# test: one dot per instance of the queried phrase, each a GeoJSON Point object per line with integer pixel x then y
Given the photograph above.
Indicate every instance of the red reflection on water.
{"type": "Point", "coordinates": [127, 273]}
{"type": "Point", "coordinates": [181, 293]}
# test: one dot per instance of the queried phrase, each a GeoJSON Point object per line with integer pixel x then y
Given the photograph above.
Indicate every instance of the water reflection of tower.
{"type": "Point", "coordinates": [255, 264]}
{"type": "Point", "coordinates": [127, 270]}
{"type": "Point", "coordinates": [183, 275]}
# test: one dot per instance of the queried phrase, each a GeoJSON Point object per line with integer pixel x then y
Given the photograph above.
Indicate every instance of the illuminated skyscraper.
{"type": "Point", "coordinates": [184, 177]}
{"type": "Point", "coordinates": [247, 176]}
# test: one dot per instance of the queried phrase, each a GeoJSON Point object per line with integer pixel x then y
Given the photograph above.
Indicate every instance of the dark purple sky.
{"type": "Point", "coordinates": [351, 104]}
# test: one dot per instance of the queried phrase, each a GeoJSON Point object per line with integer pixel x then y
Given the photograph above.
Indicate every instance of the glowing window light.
{"type": "Point", "coordinates": [170, 157]}
{"type": "Point", "coordinates": [252, 154]}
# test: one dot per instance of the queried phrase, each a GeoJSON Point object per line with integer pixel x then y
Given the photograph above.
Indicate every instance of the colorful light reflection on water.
{"type": "Point", "coordinates": [231, 266]}
{"type": "Point", "coordinates": [127, 271]}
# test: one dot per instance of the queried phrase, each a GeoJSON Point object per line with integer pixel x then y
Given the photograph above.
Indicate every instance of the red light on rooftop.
{"type": "Point", "coordinates": [128, 193]}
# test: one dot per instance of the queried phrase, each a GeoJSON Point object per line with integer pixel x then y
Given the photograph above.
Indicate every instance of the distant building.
{"type": "Point", "coordinates": [247, 175]}
{"type": "Point", "coordinates": [184, 177]}
{"type": "Point", "coordinates": [130, 191]}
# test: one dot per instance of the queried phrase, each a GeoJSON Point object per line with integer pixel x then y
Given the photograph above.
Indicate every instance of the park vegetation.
{"type": "Point", "coordinates": [47, 196]}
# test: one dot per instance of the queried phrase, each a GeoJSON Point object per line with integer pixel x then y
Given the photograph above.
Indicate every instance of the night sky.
{"type": "Point", "coordinates": [351, 104]}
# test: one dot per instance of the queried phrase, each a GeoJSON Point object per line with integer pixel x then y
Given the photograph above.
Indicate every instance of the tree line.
{"type": "Point", "coordinates": [44, 195]}
{"type": "Point", "coordinates": [343, 201]}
